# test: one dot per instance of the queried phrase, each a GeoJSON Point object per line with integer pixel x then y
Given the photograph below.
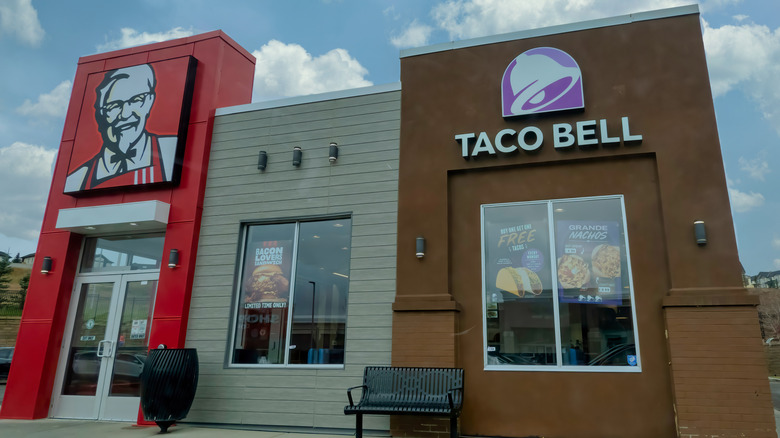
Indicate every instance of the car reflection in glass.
{"type": "Point", "coordinates": [617, 355]}
{"type": "Point", "coordinates": [496, 358]}
{"type": "Point", "coordinates": [126, 364]}
{"type": "Point", "coordinates": [6, 354]}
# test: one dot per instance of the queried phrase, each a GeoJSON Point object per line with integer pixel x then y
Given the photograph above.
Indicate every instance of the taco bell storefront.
{"type": "Point", "coordinates": [543, 209]}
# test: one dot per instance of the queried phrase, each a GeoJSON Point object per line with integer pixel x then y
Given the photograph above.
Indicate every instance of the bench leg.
{"type": "Point", "coordinates": [358, 425]}
{"type": "Point", "coordinates": [453, 427]}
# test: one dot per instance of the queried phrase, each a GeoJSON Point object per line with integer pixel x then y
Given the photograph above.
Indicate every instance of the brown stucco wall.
{"type": "Point", "coordinates": [653, 72]}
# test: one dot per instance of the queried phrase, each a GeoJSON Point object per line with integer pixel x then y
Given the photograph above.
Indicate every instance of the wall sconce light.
{"type": "Point", "coordinates": [700, 233]}
{"type": "Point", "coordinates": [173, 258]}
{"type": "Point", "coordinates": [333, 152]}
{"type": "Point", "coordinates": [297, 154]}
{"type": "Point", "coordinates": [46, 265]}
{"type": "Point", "coordinates": [262, 160]}
{"type": "Point", "coordinates": [420, 247]}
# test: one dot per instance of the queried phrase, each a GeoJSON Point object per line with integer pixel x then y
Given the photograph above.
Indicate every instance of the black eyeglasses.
{"type": "Point", "coordinates": [113, 108]}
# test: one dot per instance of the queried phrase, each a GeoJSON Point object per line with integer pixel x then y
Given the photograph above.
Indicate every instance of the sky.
{"type": "Point", "coordinates": [316, 46]}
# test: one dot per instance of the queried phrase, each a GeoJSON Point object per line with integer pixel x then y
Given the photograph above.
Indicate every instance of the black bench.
{"type": "Point", "coordinates": [408, 391]}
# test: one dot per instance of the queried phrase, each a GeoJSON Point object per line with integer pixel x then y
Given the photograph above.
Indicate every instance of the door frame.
{"type": "Point", "coordinates": [100, 406]}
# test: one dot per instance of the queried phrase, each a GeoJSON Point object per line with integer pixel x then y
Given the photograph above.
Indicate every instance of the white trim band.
{"type": "Point", "coordinates": [128, 217]}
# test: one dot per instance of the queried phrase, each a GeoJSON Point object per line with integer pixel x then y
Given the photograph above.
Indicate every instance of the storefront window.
{"type": "Point", "coordinates": [292, 303]}
{"type": "Point", "coordinates": [557, 286]}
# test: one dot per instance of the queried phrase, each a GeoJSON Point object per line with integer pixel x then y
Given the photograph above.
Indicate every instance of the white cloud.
{"type": "Point", "coordinates": [52, 104]}
{"type": "Point", "coordinates": [777, 263]}
{"type": "Point", "coordinates": [415, 35]}
{"type": "Point", "coordinates": [742, 202]}
{"type": "Point", "coordinates": [708, 5]}
{"type": "Point", "coordinates": [20, 19]}
{"type": "Point", "coordinates": [25, 174]}
{"type": "Point", "coordinates": [475, 18]}
{"type": "Point", "coordinates": [391, 13]}
{"type": "Point", "coordinates": [746, 57]}
{"type": "Point", "coordinates": [756, 168]}
{"type": "Point", "coordinates": [131, 37]}
{"type": "Point", "coordinates": [289, 70]}
{"type": "Point", "coordinates": [776, 242]}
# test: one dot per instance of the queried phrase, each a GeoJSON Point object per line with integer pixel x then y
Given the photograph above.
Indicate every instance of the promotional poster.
{"type": "Point", "coordinates": [518, 259]}
{"type": "Point", "coordinates": [589, 262]}
{"type": "Point", "coordinates": [267, 274]}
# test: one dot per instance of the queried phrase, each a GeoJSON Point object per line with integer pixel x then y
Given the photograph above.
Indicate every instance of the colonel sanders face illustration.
{"type": "Point", "coordinates": [129, 154]}
{"type": "Point", "coordinates": [124, 100]}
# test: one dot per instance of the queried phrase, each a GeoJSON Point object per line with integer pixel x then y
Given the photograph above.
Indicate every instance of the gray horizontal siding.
{"type": "Point", "coordinates": [364, 183]}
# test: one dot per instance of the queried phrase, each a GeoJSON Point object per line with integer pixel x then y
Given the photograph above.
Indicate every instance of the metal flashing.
{"type": "Point", "coordinates": [309, 98]}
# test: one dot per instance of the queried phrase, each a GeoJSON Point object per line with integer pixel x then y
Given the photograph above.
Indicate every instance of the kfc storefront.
{"type": "Point", "coordinates": [547, 210]}
{"type": "Point", "coordinates": [125, 204]}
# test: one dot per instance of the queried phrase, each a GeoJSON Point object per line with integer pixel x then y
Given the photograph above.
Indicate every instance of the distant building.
{"type": "Point", "coordinates": [28, 259]}
{"type": "Point", "coordinates": [768, 280]}
{"type": "Point", "coordinates": [747, 280]}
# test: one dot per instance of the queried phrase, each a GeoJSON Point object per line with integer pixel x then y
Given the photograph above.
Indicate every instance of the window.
{"type": "Point", "coordinates": [122, 253]}
{"type": "Point", "coordinates": [292, 294]}
{"type": "Point", "coordinates": [558, 293]}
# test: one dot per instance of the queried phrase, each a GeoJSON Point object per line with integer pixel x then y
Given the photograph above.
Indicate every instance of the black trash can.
{"type": "Point", "coordinates": [168, 383]}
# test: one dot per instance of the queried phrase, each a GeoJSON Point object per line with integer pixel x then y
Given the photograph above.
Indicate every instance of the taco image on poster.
{"type": "Point", "coordinates": [573, 272]}
{"type": "Point", "coordinates": [606, 261]}
{"type": "Point", "coordinates": [519, 281]}
{"type": "Point", "coordinates": [267, 283]}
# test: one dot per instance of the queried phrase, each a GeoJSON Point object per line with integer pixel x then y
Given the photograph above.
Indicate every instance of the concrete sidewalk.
{"type": "Point", "coordinates": [47, 428]}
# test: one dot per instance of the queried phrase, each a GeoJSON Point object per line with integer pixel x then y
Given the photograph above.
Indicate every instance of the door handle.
{"type": "Point", "coordinates": [104, 351]}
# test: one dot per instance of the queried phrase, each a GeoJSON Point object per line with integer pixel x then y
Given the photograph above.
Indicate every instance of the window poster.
{"type": "Point", "coordinates": [518, 253]}
{"type": "Point", "coordinates": [589, 262]}
{"type": "Point", "coordinates": [267, 272]}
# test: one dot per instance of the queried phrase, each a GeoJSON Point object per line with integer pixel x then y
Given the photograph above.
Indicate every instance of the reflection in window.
{"type": "Point", "coordinates": [122, 253]}
{"type": "Point", "coordinates": [558, 266]}
{"type": "Point", "coordinates": [301, 266]}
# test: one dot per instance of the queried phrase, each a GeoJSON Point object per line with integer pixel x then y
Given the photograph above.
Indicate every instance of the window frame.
{"type": "Point", "coordinates": [559, 365]}
{"type": "Point", "coordinates": [238, 273]}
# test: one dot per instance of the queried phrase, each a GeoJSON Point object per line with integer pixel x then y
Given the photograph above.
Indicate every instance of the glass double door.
{"type": "Point", "coordinates": [105, 347]}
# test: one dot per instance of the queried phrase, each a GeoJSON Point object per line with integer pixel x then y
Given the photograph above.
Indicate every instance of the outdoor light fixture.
{"type": "Point", "coordinates": [700, 233]}
{"type": "Point", "coordinates": [333, 152]}
{"type": "Point", "coordinates": [46, 265]}
{"type": "Point", "coordinates": [173, 258]}
{"type": "Point", "coordinates": [262, 160]}
{"type": "Point", "coordinates": [297, 154]}
{"type": "Point", "coordinates": [420, 247]}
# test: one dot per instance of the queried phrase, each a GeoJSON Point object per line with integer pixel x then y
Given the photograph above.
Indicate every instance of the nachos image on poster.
{"type": "Point", "coordinates": [573, 272]}
{"type": "Point", "coordinates": [118, 148]}
{"type": "Point", "coordinates": [605, 260]}
{"type": "Point", "coordinates": [519, 281]}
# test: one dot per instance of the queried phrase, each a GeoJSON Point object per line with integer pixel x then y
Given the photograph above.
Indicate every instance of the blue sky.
{"type": "Point", "coordinates": [315, 46]}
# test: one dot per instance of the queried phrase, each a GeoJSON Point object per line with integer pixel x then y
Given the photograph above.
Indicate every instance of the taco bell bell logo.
{"type": "Point", "coordinates": [541, 80]}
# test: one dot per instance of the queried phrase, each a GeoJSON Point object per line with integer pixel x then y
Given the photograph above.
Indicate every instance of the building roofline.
{"type": "Point", "coordinates": [552, 30]}
{"type": "Point", "coordinates": [309, 98]}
